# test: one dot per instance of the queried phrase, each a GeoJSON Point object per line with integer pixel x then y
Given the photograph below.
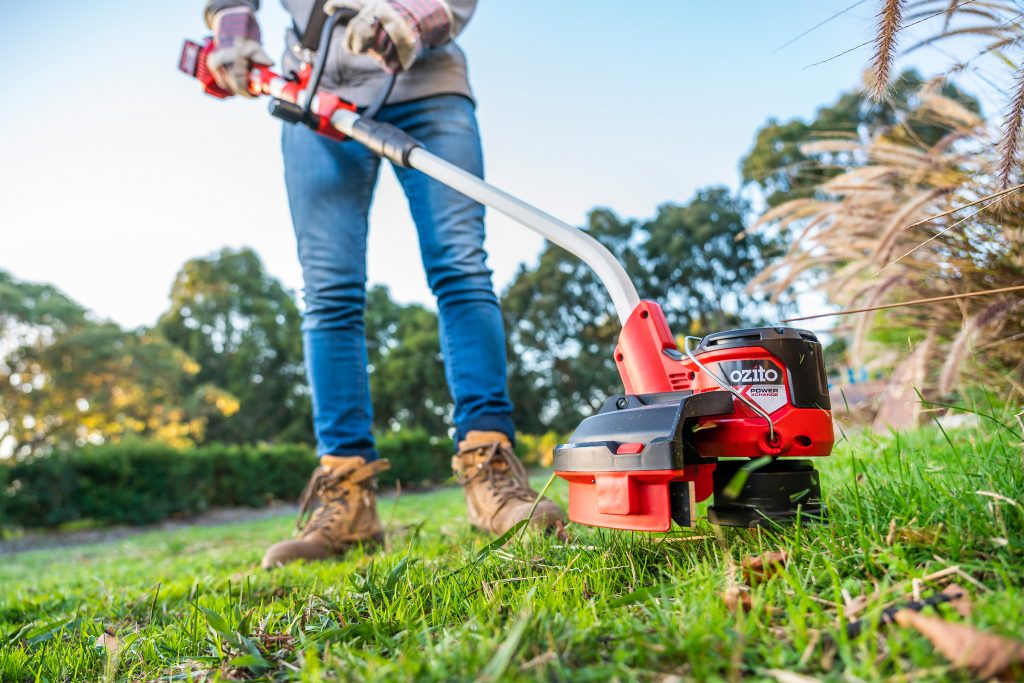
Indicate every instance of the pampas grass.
{"type": "Point", "coordinates": [998, 23]}
{"type": "Point", "coordinates": [889, 20]}
{"type": "Point", "coordinates": [899, 196]}
{"type": "Point", "coordinates": [1013, 125]}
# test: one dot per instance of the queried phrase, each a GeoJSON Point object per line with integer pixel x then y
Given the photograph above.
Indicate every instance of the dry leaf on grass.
{"type": "Point", "coordinates": [918, 536]}
{"type": "Point", "coordinates": [540, 660]}
{"type": "Point", "coordinates": [854, 607]}
{"type": "Point", "coordinates": [737, 597]}
{"type": "Point", "coordinates": [959, 599]}
{"type": "Point", "coordinates": [984, 654]}
{"type": "Point", "coordinates": [783, 676]}
{"type": "Point", "coordinates": [108, 641]}
{"type": "Point", "coordinates": [757, 567]}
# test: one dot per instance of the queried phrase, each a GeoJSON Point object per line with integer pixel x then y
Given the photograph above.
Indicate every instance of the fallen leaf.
{"type": "Point", "coordinates": [737, 597]}
{"type": "Point", "coordinates": [959, 599]}
{"type": "Point", "coordinates": [941, 574]}
{"type": "Point", "coordinates": [855, 607]}
{"type": "Point", "coordinates": [917, 536]}
{"type": "Point", "coordinates": [762, 566]}
{"type": "Point", "coordinates": [812, 643]}
{"type": "Point", "coordinates": [999, 496]}
{"type": "Point", "coordinates": [828, 656]}
{"type": "Point", "coordinates": [783, 676]}
{"type": "Point", "coordinates": [540, 660]}
{"type": "Point", "coordinates": [985, 655]}
{"type": "Point", "coordinates": [108, 641]}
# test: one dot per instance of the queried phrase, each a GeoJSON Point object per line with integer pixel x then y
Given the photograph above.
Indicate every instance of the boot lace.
{"type": "Point", "coordinates": [505, 484]}
{"type": "Point", "coordinates": [325, 501]}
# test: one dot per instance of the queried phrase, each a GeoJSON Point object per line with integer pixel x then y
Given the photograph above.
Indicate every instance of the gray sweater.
{"type": "Point", "coordinates": [358, 78]}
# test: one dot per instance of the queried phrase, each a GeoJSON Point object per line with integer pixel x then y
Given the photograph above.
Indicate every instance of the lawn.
{"type": "Point", "coordinates": [441, 603]}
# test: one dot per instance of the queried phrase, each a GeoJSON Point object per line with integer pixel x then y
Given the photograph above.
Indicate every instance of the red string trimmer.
{"type": "Point", "coordinates": [734, 417]}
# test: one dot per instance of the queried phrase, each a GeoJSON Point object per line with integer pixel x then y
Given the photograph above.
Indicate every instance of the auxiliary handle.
{"type": "Point", "coordinates": [341, 18]}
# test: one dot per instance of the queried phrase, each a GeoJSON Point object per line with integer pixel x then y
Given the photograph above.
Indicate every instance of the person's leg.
{"type": "Point", "coordinates": [330, 186]}
{"type": "Point", "coordinates": [451, 234]}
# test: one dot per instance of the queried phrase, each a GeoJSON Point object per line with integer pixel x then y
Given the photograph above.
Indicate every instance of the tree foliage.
{"type": "Point", "coordinates": [242, 328]}
{"type": "Point", "coordinates": [406, 373]}
{"type": "Point", "coordinates": [691, 258]}
{"type": "Point", "coordinates": [40, 307]}
{"type": "Point", "coordinates": [66, 380]}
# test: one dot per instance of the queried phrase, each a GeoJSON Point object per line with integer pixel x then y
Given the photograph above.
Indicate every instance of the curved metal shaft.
{"type": "Point", "coordinates": [604, 264]}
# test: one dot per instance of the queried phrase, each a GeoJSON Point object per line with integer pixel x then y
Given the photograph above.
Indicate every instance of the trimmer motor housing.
{"type": "Point", "coordinates": [646, 459]}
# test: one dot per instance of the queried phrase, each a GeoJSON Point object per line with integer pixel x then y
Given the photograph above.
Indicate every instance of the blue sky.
{"type": "Point", "coordinates": [115, 169]}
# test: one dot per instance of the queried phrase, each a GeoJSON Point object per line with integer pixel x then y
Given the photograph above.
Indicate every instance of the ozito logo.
{"type": "Point", "coordinates": [753, 375]}
{"type": "Point", "coordinates": [745, 372]}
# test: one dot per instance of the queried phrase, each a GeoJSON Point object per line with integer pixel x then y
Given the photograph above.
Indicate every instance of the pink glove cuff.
{"type": "Point", "coordinates": [431, 19]}
{"type": "Point", "coordinates": [233, 25]}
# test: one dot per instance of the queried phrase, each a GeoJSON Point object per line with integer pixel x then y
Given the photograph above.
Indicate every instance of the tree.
{"type": "Point", "coordinates": [406, 372]}
{"type": "Point", "coordinates": [562, 327]}
{"type": "Point", "coordinates": [242, 328]}
{"type": "Point", "coordinates": [29, 310]}
{"type": "Point", "coordinates": [699, 262]}
{"type": "Point", "coordinates": [66, 380]}
{"type": "Point", "coordinates": [99, 383]}
{"type": "Point", "coordinates": [561, 330]}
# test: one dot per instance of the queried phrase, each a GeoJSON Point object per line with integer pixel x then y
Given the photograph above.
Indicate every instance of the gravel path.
{"type": "Point", "coordinates": [38, 541]}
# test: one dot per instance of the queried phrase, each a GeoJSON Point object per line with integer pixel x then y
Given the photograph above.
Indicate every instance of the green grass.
{"type": "Point", "coordinates": [443, 604]}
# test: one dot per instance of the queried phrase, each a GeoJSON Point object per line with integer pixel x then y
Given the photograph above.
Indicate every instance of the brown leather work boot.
{"type": "Point", "coordinates": [498, 492]}
{"type": "Point", "coordinates": [346, 489]}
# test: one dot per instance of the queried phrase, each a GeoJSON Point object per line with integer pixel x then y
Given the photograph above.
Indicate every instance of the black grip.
{"type": "Point", "coordinates": [385, 140]}
{"type": "Point", "coordinates": [286, 111]}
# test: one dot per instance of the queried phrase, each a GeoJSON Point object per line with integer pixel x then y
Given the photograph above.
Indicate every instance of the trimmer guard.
{"type": "Point", "coordinates": [633, 465]}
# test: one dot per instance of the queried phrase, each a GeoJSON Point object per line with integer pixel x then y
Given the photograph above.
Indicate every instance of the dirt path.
{"type": "Point", "coordinates": [43, 540]}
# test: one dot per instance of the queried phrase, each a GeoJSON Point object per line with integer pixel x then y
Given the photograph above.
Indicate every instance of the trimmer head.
{"type": "Point", "coordinates": [646, 459]}
{"type": "Point", "coordinates": [775, 493]}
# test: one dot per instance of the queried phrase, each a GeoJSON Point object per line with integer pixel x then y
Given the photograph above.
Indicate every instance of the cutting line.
{"type": "Point", "coordinates": [915, 302]}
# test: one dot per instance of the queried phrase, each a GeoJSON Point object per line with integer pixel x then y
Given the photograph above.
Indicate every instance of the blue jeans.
{"type": "Point", "coordinates": [330, 187]}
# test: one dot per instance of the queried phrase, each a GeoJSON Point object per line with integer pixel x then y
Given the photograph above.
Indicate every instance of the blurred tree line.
{"type": "Point", "coordinates": [224, 362]}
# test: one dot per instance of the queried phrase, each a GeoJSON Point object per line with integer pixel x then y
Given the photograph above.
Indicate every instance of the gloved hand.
{"type": "Point", "coordinates": [395, 31]}
{"type": "Point", "coordinates": [236, 35]}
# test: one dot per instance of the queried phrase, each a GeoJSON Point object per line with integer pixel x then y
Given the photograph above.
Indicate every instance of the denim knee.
{"type": "Point", "coordinates": [334, 307]}
{"type": "Point", "coordinates": [459, 288]}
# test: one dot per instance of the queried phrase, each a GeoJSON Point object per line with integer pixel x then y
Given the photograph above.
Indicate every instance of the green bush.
{"type": "Point", "coordinates": [143, 482]}
{"type": "Point", "coordinates": [416, 458]}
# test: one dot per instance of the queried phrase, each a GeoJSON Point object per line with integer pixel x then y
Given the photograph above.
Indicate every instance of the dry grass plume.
{"type": "Point", "coordinates": [889, 20]}
{"type": "Point", "coordinates": [1013, 125]}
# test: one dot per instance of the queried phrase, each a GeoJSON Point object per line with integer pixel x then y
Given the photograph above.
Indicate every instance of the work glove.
{"type": "Point", "coordinates": [394, 32]}
{"type": "Point", "coordinates": [236, 38]}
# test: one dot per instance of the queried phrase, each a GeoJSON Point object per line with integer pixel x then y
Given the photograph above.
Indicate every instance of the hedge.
{"type": "Point", "coordinates": [143, 483]}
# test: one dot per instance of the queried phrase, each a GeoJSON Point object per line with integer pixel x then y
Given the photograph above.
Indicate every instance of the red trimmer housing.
{"type": "Point", "coordinates": [649, 456]}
